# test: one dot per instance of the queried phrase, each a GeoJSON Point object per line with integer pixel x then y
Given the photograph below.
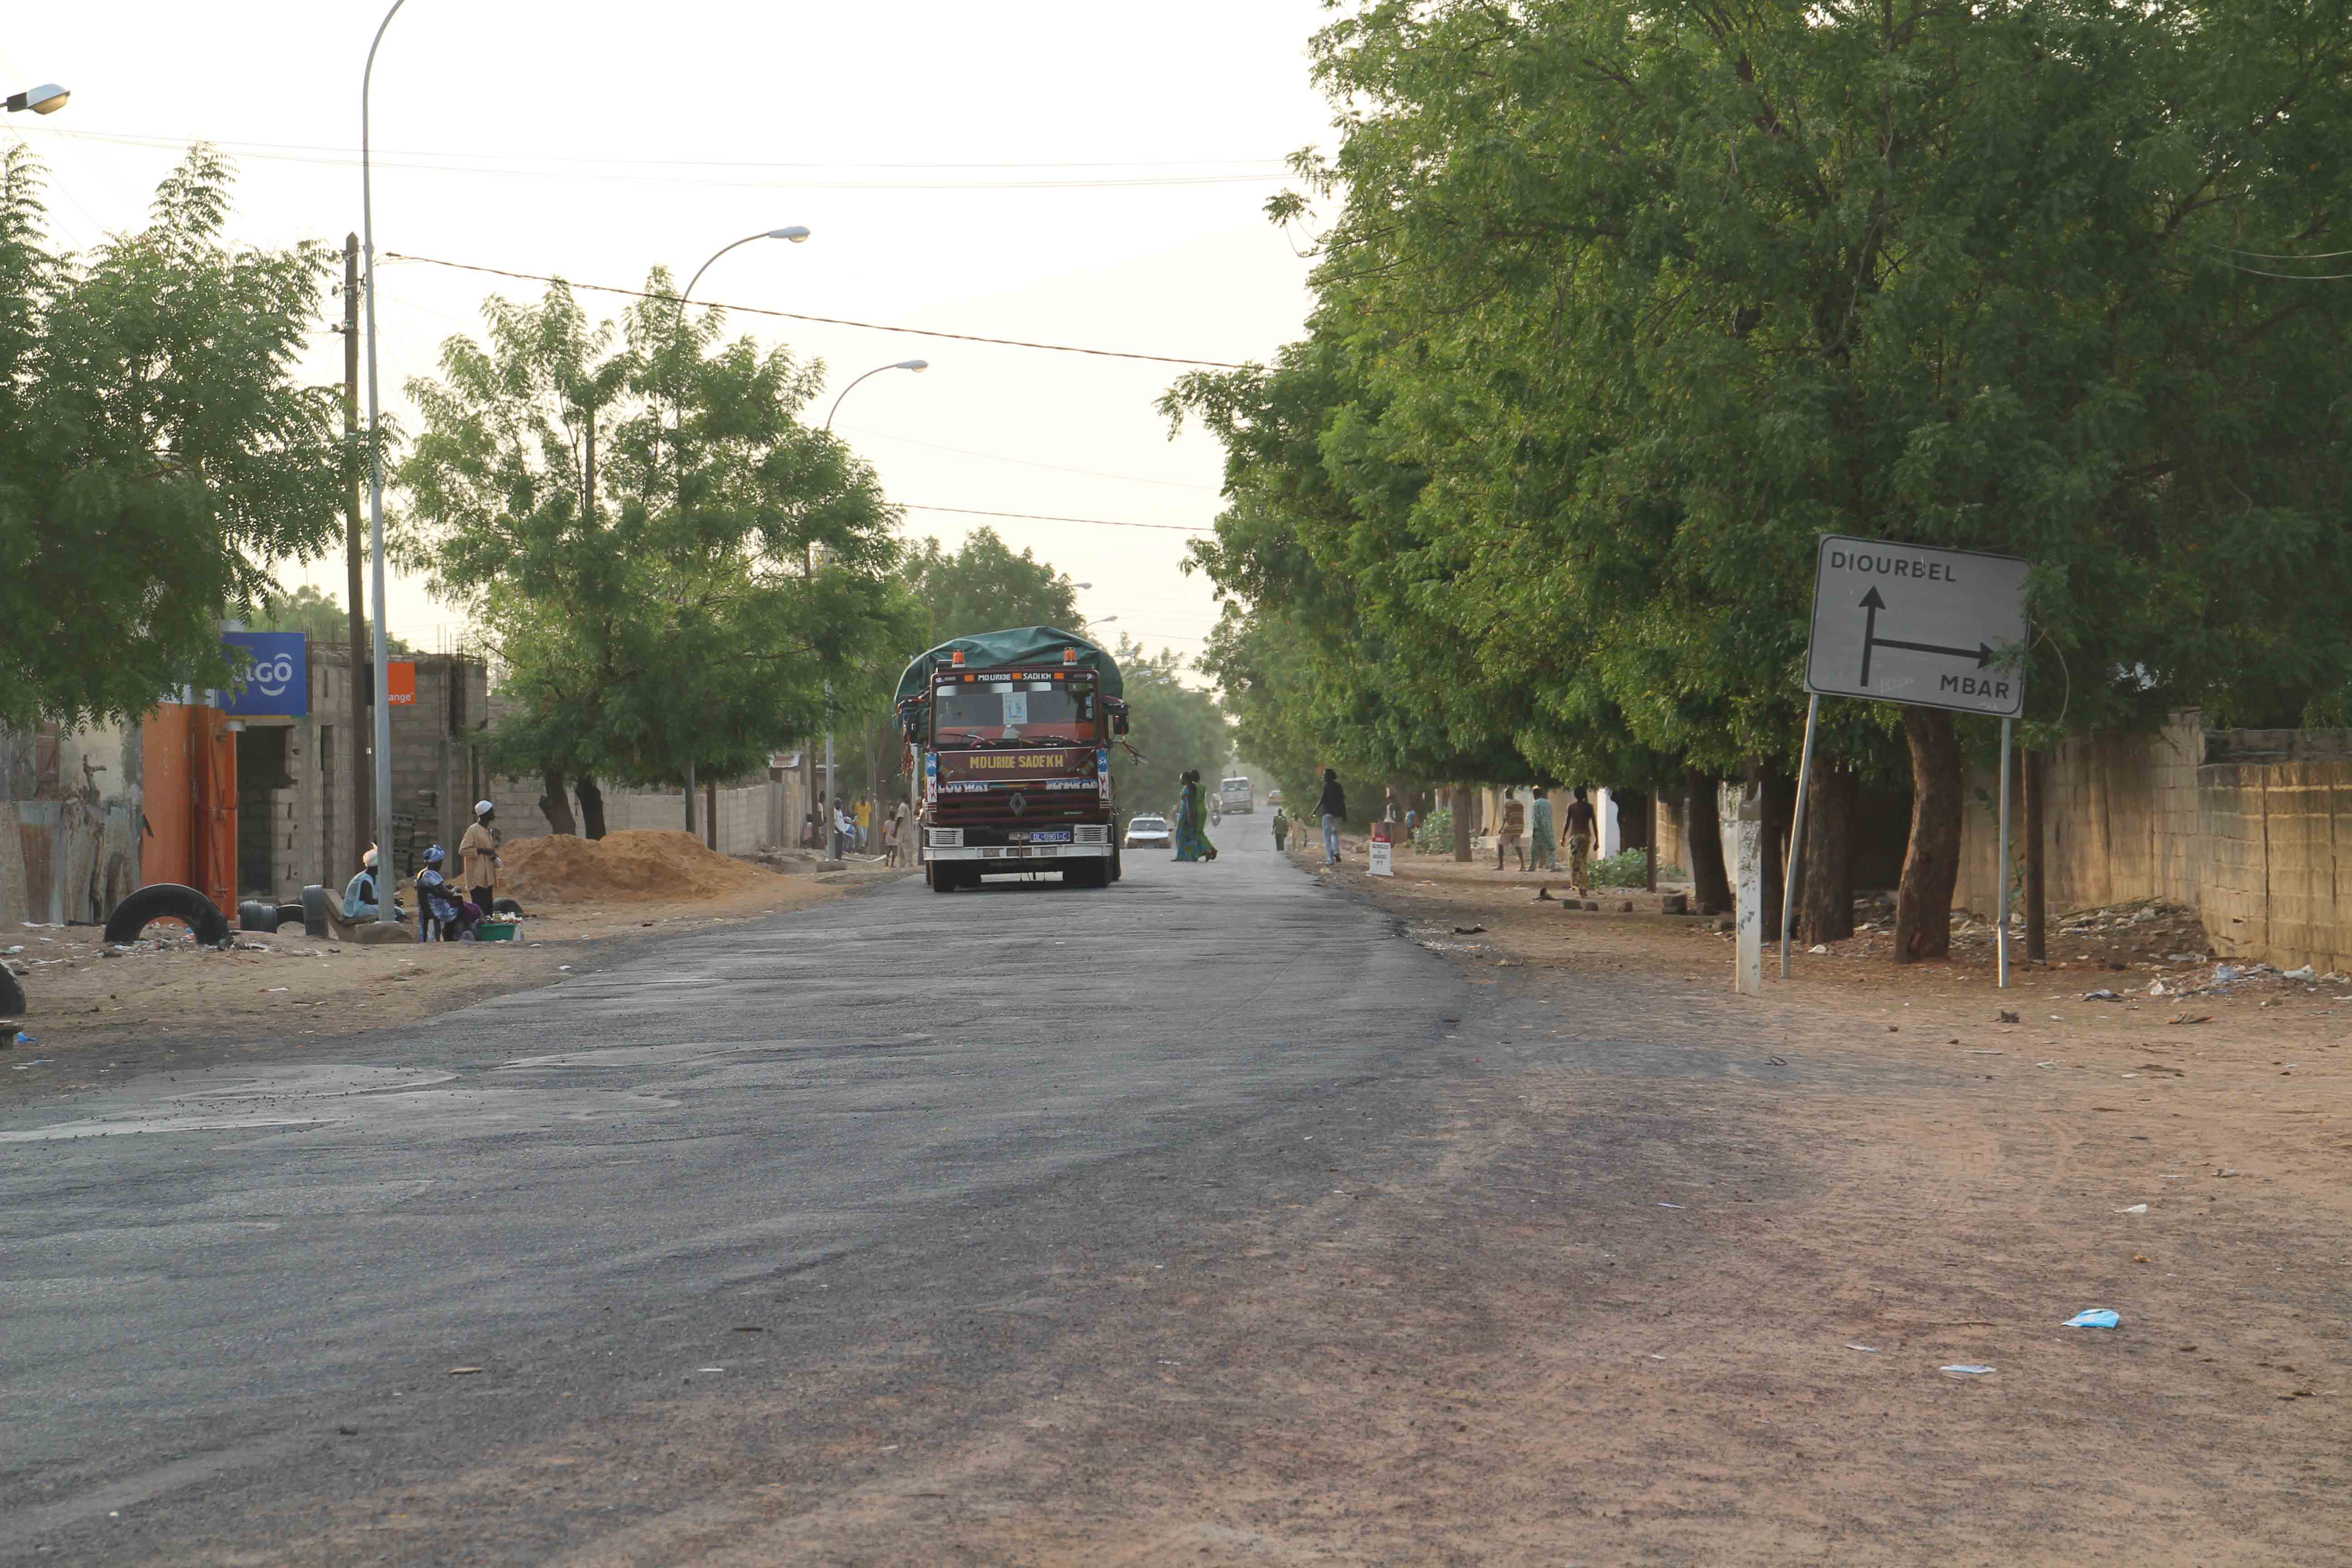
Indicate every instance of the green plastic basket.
{"type": "Point", "coordinates": [494, 931]}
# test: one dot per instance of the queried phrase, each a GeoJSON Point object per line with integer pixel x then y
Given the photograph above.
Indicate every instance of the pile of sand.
{"type": "Point", "coordinates": [629, 867]}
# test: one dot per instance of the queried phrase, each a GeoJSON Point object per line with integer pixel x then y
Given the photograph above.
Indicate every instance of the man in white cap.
{"type": "Point", "coordinates": [479, 850]}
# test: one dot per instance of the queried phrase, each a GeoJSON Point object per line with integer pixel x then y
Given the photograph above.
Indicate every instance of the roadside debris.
{"type": "Point", "coordinates": [2135, 1208]}
{"type": "Point", "coordinates": [1468, 930]}
{"type": "Point", "coordinates": [2005, 1017]}
{"type": "Point", "coordinates": [1967, 1369]}
{"type": "Point", "coordinates": [2094, 1318]}
{"type": "Point", "coordinates": [2101, 995]}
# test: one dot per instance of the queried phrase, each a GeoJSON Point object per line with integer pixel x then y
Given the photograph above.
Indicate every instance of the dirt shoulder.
{"type": "Point", "coordinates": [95, 1013]}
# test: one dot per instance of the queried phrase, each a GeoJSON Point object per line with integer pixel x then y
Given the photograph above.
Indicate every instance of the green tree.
{"type": "Point", "coordinates": [157, 457]}
{"type": "Point", "coordinates": [983, 586]}
{"type": "Point", "coordinates": [669, 563]}
{"type": "Point", "coordinates": [1647, 302]}
{"type": "Point", "coordinates": [1175, 727]}
{"type": "Point", "coordinates": [305, 609]}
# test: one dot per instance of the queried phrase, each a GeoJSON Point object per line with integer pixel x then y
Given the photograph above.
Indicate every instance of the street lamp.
{"type": "Point", "coordinates": [798, 234]}
{"type": "Point", "coordinates": [833, 823]}
{"type": "Point", "coordinates": [916, 365]}
{"type": "Point", "coordinates": [387, 872]}
{"type": "Point", "coordinates": [46, 98]}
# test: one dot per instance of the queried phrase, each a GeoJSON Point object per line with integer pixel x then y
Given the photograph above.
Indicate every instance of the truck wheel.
{"type": "Point", "coordinates": [1116, 868]}
{"type": "Point", "coordinates": [941, 875]}
{"type": "Point", "coordinates": [167, 902]}
{"type": "Point", "coordinates": [1087, 874]}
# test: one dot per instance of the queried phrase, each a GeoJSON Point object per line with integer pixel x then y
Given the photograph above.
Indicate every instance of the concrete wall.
{"type": "Point", "coordinates": [69, 804]}
{"type": "Point", "coordinates": [2250, 828]}
{"type": "Point", "coordinates": [745, 810]}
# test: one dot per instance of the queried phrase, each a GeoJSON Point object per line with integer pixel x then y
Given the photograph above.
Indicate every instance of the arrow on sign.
{"type": "Point", "coordinates": [1872, 603]}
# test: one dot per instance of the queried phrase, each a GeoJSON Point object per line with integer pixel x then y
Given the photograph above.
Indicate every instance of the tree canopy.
{"type": "Point", "coordinates": [157, 455]}
{"type": "Point", "coordinates": [669, 563]}
{"type": "Point", "coordinates": [1621, 310]}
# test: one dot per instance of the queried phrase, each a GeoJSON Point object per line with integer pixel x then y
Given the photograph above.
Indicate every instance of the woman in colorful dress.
{"type": "Point", "coordinates": [1191, 843]}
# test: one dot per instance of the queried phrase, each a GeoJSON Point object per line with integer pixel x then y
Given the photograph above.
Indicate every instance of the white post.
{"type": "Point", "coordinates": [2001, 932]}
{"type": "Point", "coordinates": [1797, 828]}
{"type": "Point", "coordinates": [1749, 835]}
{"type": "Point", "coordinates": [831, 822]}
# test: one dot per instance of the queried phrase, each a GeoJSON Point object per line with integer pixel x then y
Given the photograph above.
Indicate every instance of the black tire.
{"type": "Point", "coordinates": [1087, 874]}
{"type": "Point", "coordinates": [12, 995]}
{"type": "Point", "coordinates": [291, 914]}
{"type": "Point", "coordinates": [317, 904]}
{"type": "Point", "coordinates": [257, 914]}
{"type": "Point", "coordinates": [506, 907]}
{"type": "Point", "coordinates": [1118, 868]}
{"type": "Point", "coordinates": [167, 902]}
{"type": "Point", "coordinates": [941, 874]}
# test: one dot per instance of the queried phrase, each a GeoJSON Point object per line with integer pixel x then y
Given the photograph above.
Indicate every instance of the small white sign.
{"type": "Point", "coordinates": [1908, 622]}
{"type": "Point", "coordinates": [1017, 708]}
{"type": "Point", "coordinates": [1381, 867]}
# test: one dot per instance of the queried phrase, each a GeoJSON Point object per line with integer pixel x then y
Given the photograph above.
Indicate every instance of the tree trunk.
{"type": "Point", "coordinates": [2037, 887]}
{"type": "Point", "coordinates": [1461, 809]}
{"type": "Point", "coordinates": [1825, 885]}
{"type": "Point", "coordinates": [1779, 810]}
{"type": "Point", "coordinates": [592, 806]}
{"type": "Point", "coordinates": [689, 798]}
{"type": "Point", "coordinates": [1931, 865]}
{"type": "Point", "coordinates": [711, 814]}
{"type": "Point", "coordinates": [1710, 884]}
{"type": "Point", "coordinates": [553, 804]}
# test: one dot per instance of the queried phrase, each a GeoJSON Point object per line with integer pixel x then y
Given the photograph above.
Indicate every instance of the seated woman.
{"type": "Point", "coordinates": [439, 903]}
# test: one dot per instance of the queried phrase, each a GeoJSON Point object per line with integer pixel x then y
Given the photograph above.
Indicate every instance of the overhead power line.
{"type": "Point", "coordinates": [826, 321]}
{"type": "Point", "coordinates": [663, 170]}
{"type": "Point", "coordinates": [1043, 517]}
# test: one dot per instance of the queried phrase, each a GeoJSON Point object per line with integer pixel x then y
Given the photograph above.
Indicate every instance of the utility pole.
{"type": "Point", "coordinates": [2037, 892]}
{"type": "Point", "coordinates": [356, 556]}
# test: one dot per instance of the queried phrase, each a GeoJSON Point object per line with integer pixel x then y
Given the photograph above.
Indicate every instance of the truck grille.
{"type": "Point", "coordinates": [1090, 833]}
{"type": "Point", "coordinates": [946, 837]}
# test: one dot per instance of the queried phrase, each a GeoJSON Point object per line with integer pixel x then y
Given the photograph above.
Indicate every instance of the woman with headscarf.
{"type": "Point", "coordinates": [1191, 842]}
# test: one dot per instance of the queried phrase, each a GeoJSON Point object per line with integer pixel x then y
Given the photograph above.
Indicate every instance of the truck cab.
{"type": "Point", "coordinates": [1013, 732]}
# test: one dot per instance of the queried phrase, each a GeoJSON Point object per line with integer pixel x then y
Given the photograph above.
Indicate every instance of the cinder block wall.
{"type": "Point", "coordinates": [2250, 828]}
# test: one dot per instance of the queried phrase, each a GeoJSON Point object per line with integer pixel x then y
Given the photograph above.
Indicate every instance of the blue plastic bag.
{"type": "Point", "coordinates": [2095, 1318]}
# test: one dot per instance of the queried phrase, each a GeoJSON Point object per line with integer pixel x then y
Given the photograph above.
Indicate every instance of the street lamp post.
{"type": "Point", "coordinates": [387, 872]}
{"type": "Point", "coordinates": [797, 234]}
{"type": "Point", "coordinates": [46, 98]}
{"type": "Point", "coordinates": [832, 820]}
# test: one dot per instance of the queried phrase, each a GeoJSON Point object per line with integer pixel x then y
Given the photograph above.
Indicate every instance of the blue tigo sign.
{"type": "Point", "coordinates": [273, 675]}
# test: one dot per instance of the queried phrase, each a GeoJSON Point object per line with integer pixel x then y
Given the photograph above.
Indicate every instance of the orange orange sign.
{"type": "Point", "coordinates": [400, 682]}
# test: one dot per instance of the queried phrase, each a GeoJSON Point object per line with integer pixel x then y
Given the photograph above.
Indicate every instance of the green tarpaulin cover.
{"type": "Point", "coordinates": [1040, 645]}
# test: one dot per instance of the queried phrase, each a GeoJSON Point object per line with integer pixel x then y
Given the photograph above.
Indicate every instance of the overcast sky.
{"type": "Point", "coordinates": [1082, 174]}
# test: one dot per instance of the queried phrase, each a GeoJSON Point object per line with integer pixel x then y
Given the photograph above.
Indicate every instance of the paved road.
{"type": "Point", "coordinates": [234, 1298]}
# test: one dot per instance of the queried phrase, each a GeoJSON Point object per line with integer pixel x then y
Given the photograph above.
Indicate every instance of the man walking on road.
{"type": "Point", "coordinates": [1580, 822]}
{"type": "Point", "coordinates": [1543, 846]}
{"type": "Point", "coordinates": [1331, 808]}
{"type": "Point", "coordinates": [1512, 839]}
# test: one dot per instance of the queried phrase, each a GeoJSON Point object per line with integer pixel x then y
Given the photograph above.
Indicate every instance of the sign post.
{"type": "Point", "coordinates": [1748, 840]}
{"type": "Point", "coordinates": [1911, 623]}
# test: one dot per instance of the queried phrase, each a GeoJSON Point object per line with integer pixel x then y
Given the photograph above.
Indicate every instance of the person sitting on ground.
{"type": "Point", "coordinates": [438, 902]}
{"type": "Point", "coordinates": [359, 893]}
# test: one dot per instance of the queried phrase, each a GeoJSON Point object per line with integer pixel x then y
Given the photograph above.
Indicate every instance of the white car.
{"type": "Point", "coordinates": [1149, 833]}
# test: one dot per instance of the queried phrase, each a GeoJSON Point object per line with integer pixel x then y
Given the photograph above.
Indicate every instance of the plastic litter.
{"type": "Point", "coordinates": [1967, 1369]}
{"type": "Point", "coordinates": [2224, 973]}
{"type": "Point", "coordinates": [2305, 973]}
{"type": "Point", "coordinates": [25, 1039]}
{"type": "Point", "coordinates": [1670, 1205]}
{"type": "Point", "coordinates": [2135, 1208]}
{"type": "Point", "coordinates": [2094, 1318]}
{"type": "Point", "coordinates": [1866, 1350]}
{"type": "Point", "coordinates": [2101, 995]}
{"type": "Point", "coordinates": [2006, 1018]}
{"type": "Point", "coordinates": [1819, 947]}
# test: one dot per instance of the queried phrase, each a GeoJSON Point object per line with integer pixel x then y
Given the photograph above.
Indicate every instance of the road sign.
{"type": "Point", "coordinates": [1907, 623]}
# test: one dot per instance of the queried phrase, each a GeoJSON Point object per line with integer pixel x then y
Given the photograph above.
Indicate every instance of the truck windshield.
{"type": "Point", "coordinates": [1011, 711]}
